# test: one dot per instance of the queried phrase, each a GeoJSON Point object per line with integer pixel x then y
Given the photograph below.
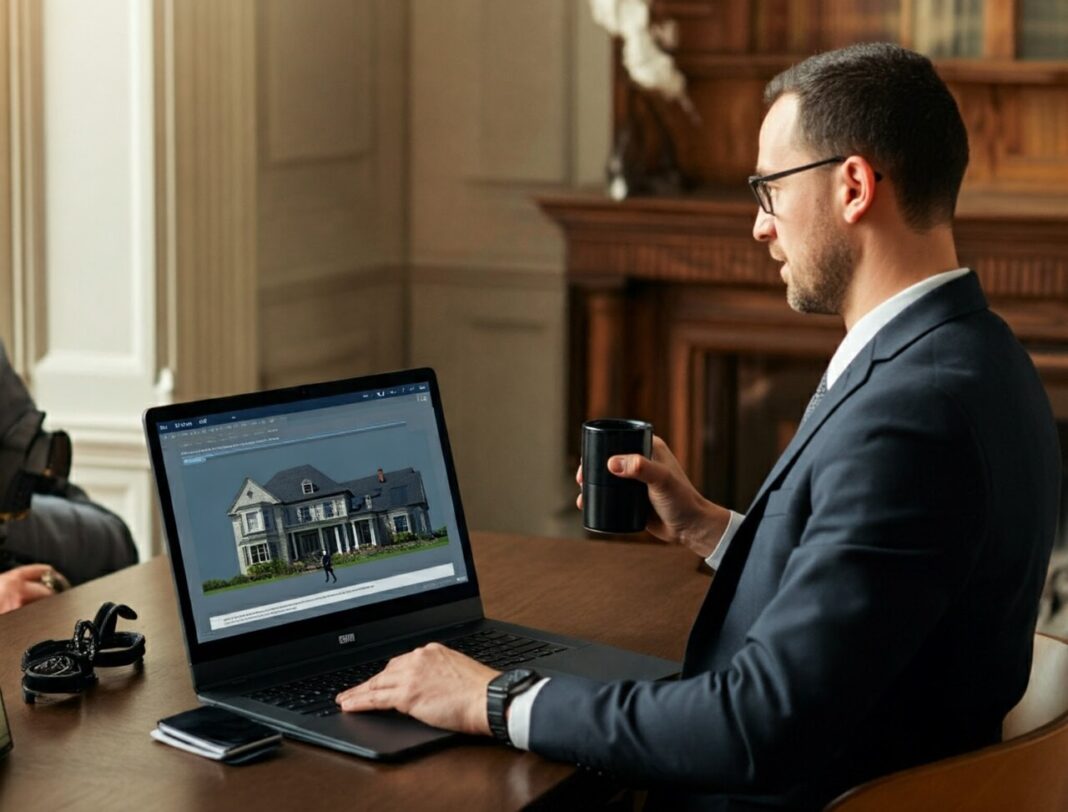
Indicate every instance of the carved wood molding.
{"type": "Point", "coordinates": [1017, 252]}
{"type": "Point", "coordinates": [660, 284]}
{"type": "Point", "coordinates": [677, 239]}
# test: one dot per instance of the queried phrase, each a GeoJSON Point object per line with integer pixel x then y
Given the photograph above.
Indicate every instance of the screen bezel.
{"type": "Point", "coordinates": [301, 630]}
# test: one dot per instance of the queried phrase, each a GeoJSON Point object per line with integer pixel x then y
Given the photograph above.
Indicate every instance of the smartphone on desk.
{"type": "Point", "coordinates": [217, 733]}
{"type": "Point", "coordinates": [5, 732]}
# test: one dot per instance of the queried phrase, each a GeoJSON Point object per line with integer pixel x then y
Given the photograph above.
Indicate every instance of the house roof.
{"type": "Point", "coordinates": [241, 491]}
{"type": "Point", "coordinates": [286, 485]}
{"type": "Point", "coordinates": [402, 487]}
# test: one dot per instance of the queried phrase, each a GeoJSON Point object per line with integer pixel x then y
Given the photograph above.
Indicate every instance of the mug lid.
{"type": "Point", "coordinates": [616, 424]}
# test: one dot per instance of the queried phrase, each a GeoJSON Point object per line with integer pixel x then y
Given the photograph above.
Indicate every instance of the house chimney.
{"type": "Point", "coordinates": [381, 475]}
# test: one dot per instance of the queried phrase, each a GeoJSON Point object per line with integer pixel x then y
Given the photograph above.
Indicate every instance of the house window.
{"type": "Point", "coordinates": [253, 522]}
{"type": "Point", "coordinates": [259, 553]}
{"type": "Point", "coordinates": [363, 532]}
{"type": "Point", "coordinates": [400, 523]}
{"type": "Point", "coordinates": [304, 514]}
{"type": "Point", "coordinates": [328, 510]}
{"type": "Point", "coordinates": [307, 487]}
{"type": "Point", "coordinates": [367, 501]}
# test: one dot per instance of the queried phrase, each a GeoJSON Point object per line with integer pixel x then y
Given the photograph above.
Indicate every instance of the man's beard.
{"type": "Point", "coordinates": [818, 282]}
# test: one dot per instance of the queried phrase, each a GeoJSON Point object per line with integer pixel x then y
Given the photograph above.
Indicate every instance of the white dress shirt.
{"type": "Point", "coordinates": [855, 340]}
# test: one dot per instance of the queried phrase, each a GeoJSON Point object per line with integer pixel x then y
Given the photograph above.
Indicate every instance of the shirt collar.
{"type": "Point", "coordinates": [877, 318]}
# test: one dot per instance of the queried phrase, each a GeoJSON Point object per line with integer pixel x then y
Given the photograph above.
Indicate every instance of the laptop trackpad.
{"type": "Point", "coordinates": [606, 662]}
{"type": "Point", "coordinates": [383, 733]}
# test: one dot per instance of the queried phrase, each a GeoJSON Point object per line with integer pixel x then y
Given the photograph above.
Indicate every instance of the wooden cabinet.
{"type": "Point", "coordinates": [678, 316]}
{"type": "Point", "coordinates": [1015, 107]}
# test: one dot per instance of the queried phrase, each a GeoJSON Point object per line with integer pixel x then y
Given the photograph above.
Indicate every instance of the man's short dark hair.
{"type": "Point", "coordinates": [887, 104]}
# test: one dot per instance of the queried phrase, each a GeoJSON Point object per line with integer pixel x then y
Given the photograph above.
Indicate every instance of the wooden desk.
{"type": "Point", "coordinates": [94, 752]}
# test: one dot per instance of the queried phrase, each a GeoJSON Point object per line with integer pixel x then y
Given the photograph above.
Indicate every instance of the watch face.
{"type": "Point", "coordinates": [518, 675]}
{"type": "Point", "coordinates": [510, 679]}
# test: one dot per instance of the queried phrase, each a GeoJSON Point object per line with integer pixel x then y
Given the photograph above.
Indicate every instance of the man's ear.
{"type": "Point", "coordinates": [857, 189]}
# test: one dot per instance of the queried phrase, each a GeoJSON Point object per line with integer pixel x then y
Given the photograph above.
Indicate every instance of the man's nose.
{"type": "Point", "coordinates": [764, 226]}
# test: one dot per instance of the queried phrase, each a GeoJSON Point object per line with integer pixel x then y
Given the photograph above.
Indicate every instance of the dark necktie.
{"type": "Point", "coordinates": [817, 396]}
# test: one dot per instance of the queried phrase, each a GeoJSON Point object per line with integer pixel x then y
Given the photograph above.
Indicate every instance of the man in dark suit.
{"type": "Point", "coordinates": [328, 566]}
{"type": "Point", "coordinates": [874, 608]}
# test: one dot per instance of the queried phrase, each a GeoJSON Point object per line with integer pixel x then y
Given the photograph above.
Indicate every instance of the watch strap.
{"type": "Point", "coordinates": [499, 695]}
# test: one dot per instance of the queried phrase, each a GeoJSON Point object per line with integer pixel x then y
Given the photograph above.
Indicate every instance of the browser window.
{"type": "Point", "coordinates": [294, 511]}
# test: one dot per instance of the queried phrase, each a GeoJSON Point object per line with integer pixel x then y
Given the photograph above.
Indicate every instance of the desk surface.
{"type": "Point", "coordinates": [94, 752]}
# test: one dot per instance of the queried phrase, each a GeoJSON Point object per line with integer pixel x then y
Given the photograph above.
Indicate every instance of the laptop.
{"type": "Point", "coordinates": [316, 531]}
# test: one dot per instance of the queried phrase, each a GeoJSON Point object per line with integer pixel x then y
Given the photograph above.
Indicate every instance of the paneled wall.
{"type": "Point", "coordinates": [209, 197]}
{"type": "Point", "coordinates": [85, 331]}
{"type": "Point", "coordinates": [508, 99]}
{"type": "Point", "coordinates": [332, 221]}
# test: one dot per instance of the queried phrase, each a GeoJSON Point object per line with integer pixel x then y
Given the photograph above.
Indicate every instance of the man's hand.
{"type": "Point", "coordinates": [680, 514]}
{"type": "Point", "coordinates": [435, 684]}
{"type": "Point", "coordinates": [22, 585]}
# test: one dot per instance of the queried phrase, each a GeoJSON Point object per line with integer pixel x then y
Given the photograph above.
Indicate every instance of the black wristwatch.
{"type": "Point", "coordinates": [499, 696]}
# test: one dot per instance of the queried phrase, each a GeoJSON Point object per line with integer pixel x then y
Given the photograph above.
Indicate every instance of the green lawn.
{"type": "Point", "coordinates": [378, 555]}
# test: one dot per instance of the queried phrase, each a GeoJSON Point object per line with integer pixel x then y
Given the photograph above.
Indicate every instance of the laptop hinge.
{"type": "Point", "coordinates": [342, 644]}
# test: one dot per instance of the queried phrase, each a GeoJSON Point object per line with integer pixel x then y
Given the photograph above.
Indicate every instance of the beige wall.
{"type": "Point", "coordinates": [400, 149]}
{"type": "Point", "coordinates": [367, 205]}
{"type": "Point", "coordinates": [509, 99]}
{"type": "Point", "coordinates": [332, 133]}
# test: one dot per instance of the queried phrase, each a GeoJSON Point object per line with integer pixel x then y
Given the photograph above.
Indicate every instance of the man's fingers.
{"type": "Point", "coordinates": [635, 466]}
{"type": "Point", "coordinates": [360, 700]}
{"type": "Point", "coordinates": [375, 685]}
{"type": "Point", "coordinates": [378, 687]}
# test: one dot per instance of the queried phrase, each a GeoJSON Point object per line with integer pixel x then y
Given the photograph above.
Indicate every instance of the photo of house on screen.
{"type": "Point", "coordinates": [301, 512]}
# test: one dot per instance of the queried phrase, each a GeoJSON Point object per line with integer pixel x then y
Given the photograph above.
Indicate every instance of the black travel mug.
{"type": "Point", "coordinates": [611, 504]}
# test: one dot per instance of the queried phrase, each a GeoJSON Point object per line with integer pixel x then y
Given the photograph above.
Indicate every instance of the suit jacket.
{"type": "Point", "coordinates": [876, 608]}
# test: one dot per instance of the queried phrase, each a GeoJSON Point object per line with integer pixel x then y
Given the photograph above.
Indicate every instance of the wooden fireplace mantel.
{"type": "Point", "coordinates": [656, 284]}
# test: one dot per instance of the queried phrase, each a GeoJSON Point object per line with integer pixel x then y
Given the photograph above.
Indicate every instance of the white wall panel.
{"type": "Point", "coordinates": [98, 363]}
{"type": "Point", "coordinates": [114, 471]}
{"type": "Point", "coordinates": [96, 366]}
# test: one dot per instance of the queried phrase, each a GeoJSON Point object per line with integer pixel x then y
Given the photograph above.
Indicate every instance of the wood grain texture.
{"type": "Point", "coordinates": [729, 51]}
{"type": "Point", "coordinates": [999, 28]}
{"type": "Point", "coordinates": [93, 751]}
{"type": "Point", "coordinates": [705, 288]}
{"type": "Point", "coordinates": [214, 234]}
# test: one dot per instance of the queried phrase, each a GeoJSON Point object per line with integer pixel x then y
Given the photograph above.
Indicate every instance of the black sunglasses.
{"type": "Point", "coordinates": [758, 183]}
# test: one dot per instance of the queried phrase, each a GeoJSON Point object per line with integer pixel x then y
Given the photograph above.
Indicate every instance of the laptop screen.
{"type": "Point", "coordinates": [287, 511]}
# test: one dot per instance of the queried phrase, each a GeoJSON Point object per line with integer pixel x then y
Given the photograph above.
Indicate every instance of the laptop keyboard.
{"type": "Point", "coordinates": [314, 696]}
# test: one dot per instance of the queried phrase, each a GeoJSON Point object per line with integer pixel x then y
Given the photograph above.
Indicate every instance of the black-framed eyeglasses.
{"type": "Point", "coordinates": [758, 183]}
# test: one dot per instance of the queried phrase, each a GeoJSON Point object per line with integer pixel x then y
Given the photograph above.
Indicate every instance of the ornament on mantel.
{"type": "Point", "coordinates": [650, 68]}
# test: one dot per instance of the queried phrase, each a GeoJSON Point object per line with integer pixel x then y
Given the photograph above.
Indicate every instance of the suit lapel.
{"type": "Point", "coordinates": [952, 300]}
{"type": "Point", "coordinates": [725, 583]}
{"type": "Point", "coordinates": [855, 375]}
